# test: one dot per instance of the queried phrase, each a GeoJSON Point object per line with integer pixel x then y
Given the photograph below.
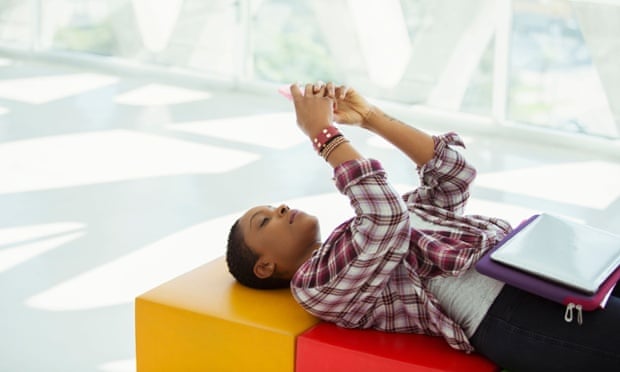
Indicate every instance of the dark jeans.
{"type": "Point", "coordinates": [523, 332]}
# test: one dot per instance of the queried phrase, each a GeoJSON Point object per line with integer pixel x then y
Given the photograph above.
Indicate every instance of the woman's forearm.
{"type": "Point", "coordinates": [416, 144]}
{"type": "Point", "coordinates": [343, 153]}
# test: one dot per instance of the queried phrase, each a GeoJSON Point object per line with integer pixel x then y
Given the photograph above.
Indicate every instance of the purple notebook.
{"type": "Point", "coordinates": [541, 286]}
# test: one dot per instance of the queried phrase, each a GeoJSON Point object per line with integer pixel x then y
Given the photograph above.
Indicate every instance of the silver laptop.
{"type": "Point", "coordinates": [564, 251]}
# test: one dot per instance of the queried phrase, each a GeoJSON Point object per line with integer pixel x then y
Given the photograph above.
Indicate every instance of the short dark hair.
{"type": "Point", "coordinates": [241, 260]}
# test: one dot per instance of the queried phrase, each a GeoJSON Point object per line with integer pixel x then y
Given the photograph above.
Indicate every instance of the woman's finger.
{"type": "Point", "coordinates": [295, 91]}
{"type": "Point", "coordinates": [318, 86]}
{"type": "Point", "coordinates": [331, 90]}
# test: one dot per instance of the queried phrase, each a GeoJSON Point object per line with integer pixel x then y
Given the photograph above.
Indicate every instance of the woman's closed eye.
{"type": "Point", "coordinates": [263, 222]}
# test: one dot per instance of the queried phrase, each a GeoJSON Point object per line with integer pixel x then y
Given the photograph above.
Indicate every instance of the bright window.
{"type": "Point", "coordinates": [543, 63]}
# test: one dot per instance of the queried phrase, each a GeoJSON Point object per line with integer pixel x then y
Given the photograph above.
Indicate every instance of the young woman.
{"type": "Point", "coordinates": [404, 263]}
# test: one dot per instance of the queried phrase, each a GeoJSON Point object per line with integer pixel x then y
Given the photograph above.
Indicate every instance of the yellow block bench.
{"type": "Point", "coordinates": [205, 321]}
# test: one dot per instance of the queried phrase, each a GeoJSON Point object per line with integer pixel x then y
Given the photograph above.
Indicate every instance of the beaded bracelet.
{"type": "Point", "coordinates": [330, 143]}
{"type": "Point", "coordinates": [327, 150]}
{"type": "Point", "coordinates": [326, 134]}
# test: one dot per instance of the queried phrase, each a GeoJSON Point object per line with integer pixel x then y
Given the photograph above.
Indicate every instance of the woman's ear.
{"type": "Point", "coordinates": [264, 268]}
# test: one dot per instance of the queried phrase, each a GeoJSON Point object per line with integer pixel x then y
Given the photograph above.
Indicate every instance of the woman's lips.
{"type": "Point", "coordinates": [293, 214]}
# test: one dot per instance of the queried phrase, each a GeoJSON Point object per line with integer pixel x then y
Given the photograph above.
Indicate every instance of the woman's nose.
{"type": "Point", "coordinates": [283, 209]}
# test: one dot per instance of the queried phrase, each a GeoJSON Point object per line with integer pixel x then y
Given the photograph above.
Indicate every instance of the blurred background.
{"type": "Point", "coordinates": [134, 132]}
{"type": "Point", "coordinates": [541, 63]}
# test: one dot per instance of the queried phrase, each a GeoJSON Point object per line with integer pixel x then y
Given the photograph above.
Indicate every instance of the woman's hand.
{"type": "Point", "coordinates": [314, 108]}
{"type": "Point", "coordinates": [349, 106]}
{"type": "Point", "coordinates": [315, 111]}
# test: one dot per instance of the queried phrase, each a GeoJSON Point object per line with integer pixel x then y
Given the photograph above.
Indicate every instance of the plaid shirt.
{"type": "Point", "coordinates": [372, 270]}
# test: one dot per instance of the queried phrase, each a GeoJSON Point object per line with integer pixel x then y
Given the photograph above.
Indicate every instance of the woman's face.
{"type": "Point", "coordinates": [284, 238]}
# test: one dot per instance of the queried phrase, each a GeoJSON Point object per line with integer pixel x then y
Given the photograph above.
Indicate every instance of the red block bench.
{"type": "Point", "coordinates": [328, 348]}
{"type": "Point", "coordinates": [205, 321]}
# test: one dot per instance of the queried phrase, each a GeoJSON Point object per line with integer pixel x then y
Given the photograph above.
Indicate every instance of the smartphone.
{"type": "Point", "coordinates": [285, 90]}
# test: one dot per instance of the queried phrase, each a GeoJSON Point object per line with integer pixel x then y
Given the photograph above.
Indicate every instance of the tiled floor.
{"type": "Point", "coordinates": [112, 185]}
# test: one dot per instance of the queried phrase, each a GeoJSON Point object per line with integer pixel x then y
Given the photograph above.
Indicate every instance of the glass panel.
{"type": "Point", "coordinates": [433, 52]}
{"type": "Point", "coordinates": [84, 26]}
{"type": "Point", "coordinates": [553, 80]}
{"type": "Point", "coordinates": [479, 94]}
{"type": "Point", "coordinates": [183, 34]}
{"type": "Point", "coordinates": [17, 22]}
{"type": "Point", "coordinates": [556, 59]}
{"type": "Point", "coordinates": [452, 51]}
{"type": "Point", "coordinates": [289, 44]}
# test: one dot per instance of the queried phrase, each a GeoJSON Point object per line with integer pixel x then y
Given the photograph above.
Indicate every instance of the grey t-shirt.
{"type": "Point", "coordinates": [466, 298]}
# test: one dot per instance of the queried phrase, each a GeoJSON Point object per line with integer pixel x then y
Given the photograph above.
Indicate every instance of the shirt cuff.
{"type": "Point", "coordinates": [351, 172]}
{"type": "Point", "coordinates": [442, 142]}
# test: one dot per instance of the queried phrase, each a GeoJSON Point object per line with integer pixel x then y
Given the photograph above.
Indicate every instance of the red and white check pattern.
{"type": "Point", "coordinates": [371, 271]}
